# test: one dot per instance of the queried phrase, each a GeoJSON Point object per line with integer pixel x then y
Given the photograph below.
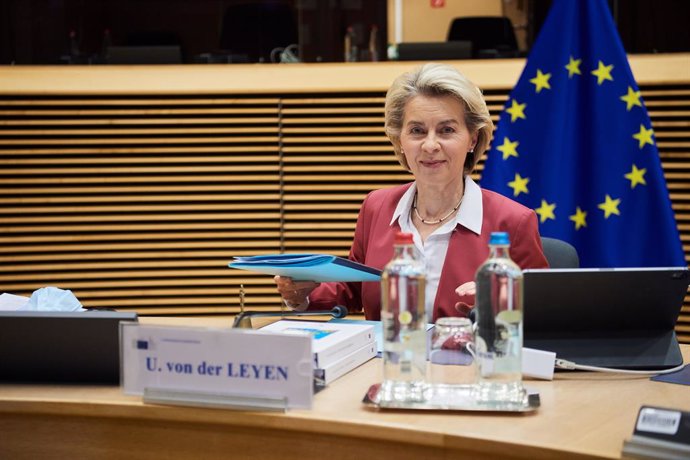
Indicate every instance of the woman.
{"type": "Point", "coordinates": [439, 126]}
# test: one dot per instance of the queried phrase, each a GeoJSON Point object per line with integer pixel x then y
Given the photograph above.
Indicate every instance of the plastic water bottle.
{"type": "Point", "coordinates": [498, 336]}
{"type": "Point", "coordinates": [404, 324]}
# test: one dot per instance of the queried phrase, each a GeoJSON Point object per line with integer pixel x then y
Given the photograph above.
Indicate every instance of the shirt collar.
{"type": "Point", "coordinates": [469, 215]}
{"type": "Point", "coordinates": [471, 212]}
{"type": "Point", "coordinates": [402, 211]}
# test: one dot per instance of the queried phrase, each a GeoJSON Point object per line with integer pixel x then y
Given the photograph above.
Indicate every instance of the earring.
{"type": "Point", "coordinates": [470, 151]}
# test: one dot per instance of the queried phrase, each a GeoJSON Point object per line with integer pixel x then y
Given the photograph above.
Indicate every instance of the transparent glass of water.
{"type": "Point", "coordinates": [451, 372]}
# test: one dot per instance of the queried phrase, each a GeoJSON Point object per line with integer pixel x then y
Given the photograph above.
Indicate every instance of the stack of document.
{"type": "Point", "coordinates": [338, 348]}
{"type": "Point", "coordinates": [308, 267]}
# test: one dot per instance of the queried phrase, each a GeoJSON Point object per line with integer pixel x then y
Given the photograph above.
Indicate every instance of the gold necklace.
{"type": "Point", "coordinates": [434, 222]}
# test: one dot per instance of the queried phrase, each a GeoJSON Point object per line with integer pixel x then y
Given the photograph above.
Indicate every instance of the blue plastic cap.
{"type": "Point", "coordinates": [499, 238]}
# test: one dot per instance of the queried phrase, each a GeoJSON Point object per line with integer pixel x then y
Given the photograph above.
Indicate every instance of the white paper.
{"type": "Point", "coordinates": [330, 341]}
{"type": "Point", "coordinates": [11, 302]}
{"type": "Point", "coordinates": [236, 362]}
{"type": "Point", "coordinates": [378, 329]}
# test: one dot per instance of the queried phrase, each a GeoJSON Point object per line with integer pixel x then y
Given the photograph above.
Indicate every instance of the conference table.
{"type": "Point", "coordinates": [582, 415]}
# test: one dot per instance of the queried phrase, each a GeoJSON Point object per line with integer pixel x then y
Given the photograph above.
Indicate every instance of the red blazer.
{"type": "Point", "coordinates": [373, 246]}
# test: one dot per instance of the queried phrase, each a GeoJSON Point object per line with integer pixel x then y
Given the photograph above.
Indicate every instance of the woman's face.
{"type": "Point", "coordinates": [435, 139]}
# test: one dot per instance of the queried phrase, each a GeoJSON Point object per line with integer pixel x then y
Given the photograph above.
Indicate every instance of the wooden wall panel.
{"type": "Point", "coordinates": [137, 201]}
{"type": "Point", "coordinates": [335, 151]}
{"type": "Point", "coordinates": [669, 108]}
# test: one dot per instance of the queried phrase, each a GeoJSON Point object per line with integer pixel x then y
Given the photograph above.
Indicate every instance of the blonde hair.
{"type": "Point", "coordinates": [438, 80]}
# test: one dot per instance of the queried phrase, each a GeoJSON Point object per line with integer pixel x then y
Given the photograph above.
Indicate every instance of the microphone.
{"type": "Point", "coordinates": [472, 315]}
{"type": "Point", "coordinates": [243, 320]}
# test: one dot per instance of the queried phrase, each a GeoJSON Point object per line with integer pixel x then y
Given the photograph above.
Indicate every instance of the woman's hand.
{"type": "Point", "coordinates": [468, 291]}
{"type": "Point", "coordinates": [294, 293]}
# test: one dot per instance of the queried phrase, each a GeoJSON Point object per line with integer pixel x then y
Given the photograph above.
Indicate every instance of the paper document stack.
{"type": "Point", "coordinates": [338, 348]}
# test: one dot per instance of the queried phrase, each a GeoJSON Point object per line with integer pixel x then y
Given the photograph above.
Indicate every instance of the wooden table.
{"type": "Point", "coordinates": [583, 415]}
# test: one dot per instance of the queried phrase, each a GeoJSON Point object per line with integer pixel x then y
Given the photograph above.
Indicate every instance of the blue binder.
{"type": "Point", "coordinates": [308, 267]}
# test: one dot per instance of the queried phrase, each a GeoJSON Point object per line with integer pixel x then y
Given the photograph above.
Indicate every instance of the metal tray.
{"type": "Point", "coordinates": [451, 398]}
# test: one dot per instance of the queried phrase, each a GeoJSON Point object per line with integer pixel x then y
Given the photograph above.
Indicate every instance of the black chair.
{"type": "Point", "coordinates": [252, 31]}
{"type": "Point", "coordinates": [491, 36]}
{"type": "Point", "coordinates": [560, 254]}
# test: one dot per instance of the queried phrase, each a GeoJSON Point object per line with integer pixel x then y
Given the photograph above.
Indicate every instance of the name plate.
{"type": "Point", "coordinates": [236, 363]}
{"type": "Point", "coordinates": [659, 433]}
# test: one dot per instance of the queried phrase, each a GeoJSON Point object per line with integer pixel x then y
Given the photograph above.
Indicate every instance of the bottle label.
{"type": "Point", "coordinates": [405, 317]}
{"type": "Point", "coordinates": [389, 332]}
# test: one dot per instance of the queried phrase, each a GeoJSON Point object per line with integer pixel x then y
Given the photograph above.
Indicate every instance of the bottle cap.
{"type": "Point", "coordinates": [499, 238]}
{"type": "Point", "coordinates": [403, 238]}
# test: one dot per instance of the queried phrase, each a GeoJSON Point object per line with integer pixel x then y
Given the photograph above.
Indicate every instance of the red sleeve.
{"type": "Point", "coordinates": [525, 245]}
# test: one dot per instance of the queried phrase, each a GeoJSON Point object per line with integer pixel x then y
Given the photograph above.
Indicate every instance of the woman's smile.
{"type": "Point", "coordinates": [432, 163]}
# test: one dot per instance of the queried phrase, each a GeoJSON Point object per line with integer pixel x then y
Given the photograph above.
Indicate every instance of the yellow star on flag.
{"type": "Point", "coordinates": [545, 211]}
{"type": "Point", "coordinates": [580, 218]}
{"type": "Point", "coordinates": [541, 81]}
{"type": "Point", "coordinates": [636, 176]}
{"type": "Point", "coordinates": [573, 67]}
{"type": "Point", "coordinates": [644, 136]}
{"type": "Point", "coordinates": [603, 72]}
{"type": "Point", "coordinates": [632, 98]}
{"type": "Point", "coordinates": [610, 206]}
{"type": "Point", "coordinates": [508, 148]}
{"type": "Point", "coordinates": [519, 184]}
{"type": "Point", "coordinates": [516, 110]}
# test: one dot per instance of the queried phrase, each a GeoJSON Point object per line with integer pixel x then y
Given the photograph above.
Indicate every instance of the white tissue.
{"type": "Point", "coordinates": [53, 299]}
{"type": "Point", "coordinates": [12, 302]}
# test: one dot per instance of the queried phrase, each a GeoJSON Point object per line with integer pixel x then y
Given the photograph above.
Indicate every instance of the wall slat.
{"type": "Point", "coordinates": [138, 201]}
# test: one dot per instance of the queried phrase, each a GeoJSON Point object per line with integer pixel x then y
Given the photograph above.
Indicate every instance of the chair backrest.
{"type": "Point", "coordinates": [491, 36]}
{"type": "Point", "coordinates": [430, 51]}
{"type": "Point", "coordinates": [251, 31]}
{"type": "Point", "coordinates": [559, 253]}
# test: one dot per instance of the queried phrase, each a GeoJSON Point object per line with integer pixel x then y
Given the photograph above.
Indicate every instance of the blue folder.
{"type": "Point", "coordinates": [308, 267]}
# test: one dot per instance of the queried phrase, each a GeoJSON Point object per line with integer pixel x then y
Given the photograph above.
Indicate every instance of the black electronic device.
{"type": "Point", "coordinates": [619, 317]}
{"type": "Point", "coordinates": [61, 347]}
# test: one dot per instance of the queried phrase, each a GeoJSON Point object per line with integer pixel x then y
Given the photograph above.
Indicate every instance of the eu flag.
{"type": "Point", "coordinates": [575, 144]}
